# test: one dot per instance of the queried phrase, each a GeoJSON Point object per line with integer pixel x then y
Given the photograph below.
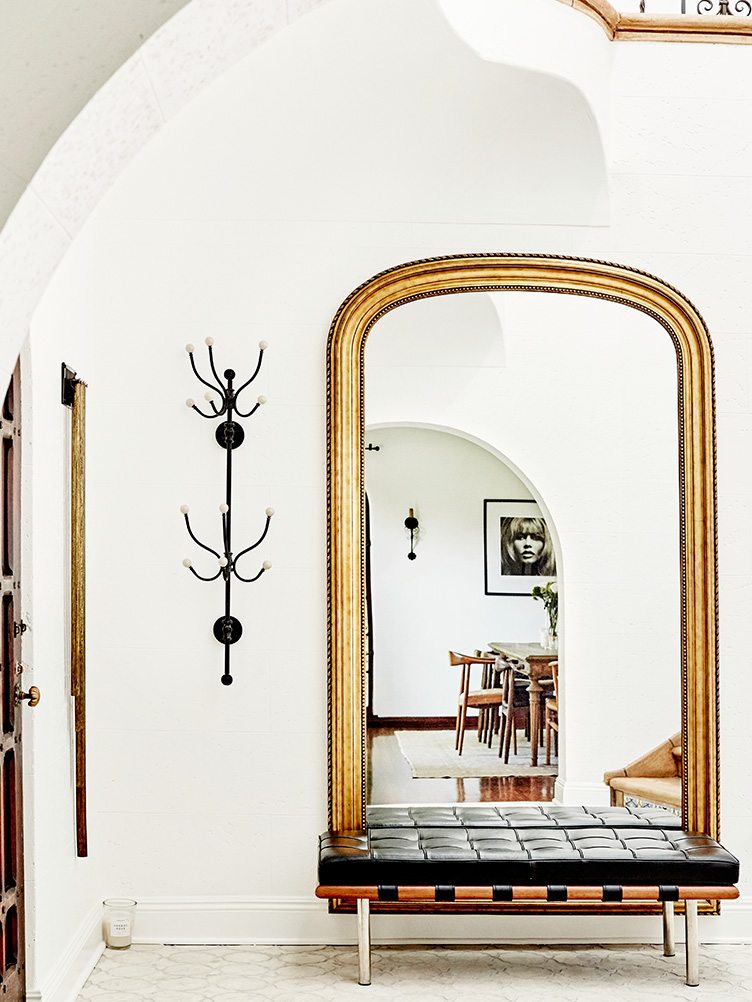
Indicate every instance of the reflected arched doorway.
{"type": "Point", "coordinates": [456, 594]}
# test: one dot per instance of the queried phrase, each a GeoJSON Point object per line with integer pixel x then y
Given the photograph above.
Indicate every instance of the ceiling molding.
{"type": "Point", "coordinates": [647, 28]}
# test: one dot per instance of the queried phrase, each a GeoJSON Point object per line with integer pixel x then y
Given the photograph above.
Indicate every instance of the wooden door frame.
{"type": "Point", "coordinates": [14, 988]}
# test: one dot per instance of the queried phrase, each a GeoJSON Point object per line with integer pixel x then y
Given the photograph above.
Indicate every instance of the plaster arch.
{"type": "Point", "coordinates": [176, 64]}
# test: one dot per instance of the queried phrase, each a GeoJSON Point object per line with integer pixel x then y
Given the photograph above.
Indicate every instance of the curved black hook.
{"type": "Point", "coordinates": [258, 542]}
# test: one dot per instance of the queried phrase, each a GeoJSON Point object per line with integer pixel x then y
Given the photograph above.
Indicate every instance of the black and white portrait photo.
{"type": "Point", "coordinates": [525, 547]}
{"type": "Point", "coordinates": [519, 550]}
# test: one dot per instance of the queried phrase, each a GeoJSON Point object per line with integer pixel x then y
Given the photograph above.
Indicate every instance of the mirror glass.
{"type": "Point", "coordinates": [518, 445]}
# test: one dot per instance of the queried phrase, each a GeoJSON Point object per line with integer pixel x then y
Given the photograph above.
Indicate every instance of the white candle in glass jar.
{"type": "Point", "coordinates": [118, 922]}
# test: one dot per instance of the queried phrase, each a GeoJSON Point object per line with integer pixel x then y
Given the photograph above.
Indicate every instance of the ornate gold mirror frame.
{"type": "Point", "coordinates": [346, 493]}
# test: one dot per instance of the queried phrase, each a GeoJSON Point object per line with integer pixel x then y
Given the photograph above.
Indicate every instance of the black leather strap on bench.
{"type": "Point", "coordinates": [388, 893]}
{"type": "Point", "coordinates": [444, 893]}
{"type": "Point", "coordinates": [502, 892]}
{"type": "Point", "coordinates": [613, 893]}
{"type": "Point", "coordinates": [668, 893]}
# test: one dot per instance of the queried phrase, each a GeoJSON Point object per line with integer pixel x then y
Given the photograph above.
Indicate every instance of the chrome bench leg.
{"type": "Point", "coordinates": [669, 947]}
{"type": "Point", "coordinates": [364, 942]}
{"type": "Point", "coordinates": [692, 947]}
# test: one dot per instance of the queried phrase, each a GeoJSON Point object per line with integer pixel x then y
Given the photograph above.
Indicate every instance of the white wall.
{"type": "Point", "coordinates": [177, 761]}
{"type": "Point", "coordinates": [425, 607]}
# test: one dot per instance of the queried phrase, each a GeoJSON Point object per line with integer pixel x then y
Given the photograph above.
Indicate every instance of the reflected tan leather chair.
{"type": "Point", "coordinates": [655, 776]}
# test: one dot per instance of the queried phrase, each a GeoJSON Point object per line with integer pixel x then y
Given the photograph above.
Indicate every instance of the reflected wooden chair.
{"type": "Point", "coordinates": [551, 718]}
{"type": "Point", "coordinates": [514, 710]}
{"type": "Point", "coordinates": [478, 699]}
{"type": "Point", "coordinates": [488, 716]}
{"type": "Point", "coordinates": [496, 676]}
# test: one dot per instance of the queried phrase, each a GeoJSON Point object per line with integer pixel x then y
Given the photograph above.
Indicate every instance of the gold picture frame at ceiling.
{"type": "Point", "coordinates": [346, 493]}
{"type": "Point", "coordinates": [622, 27]}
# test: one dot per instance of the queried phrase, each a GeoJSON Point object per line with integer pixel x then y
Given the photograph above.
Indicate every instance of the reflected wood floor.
{"type": "Point", "coordinates": [389, 779]}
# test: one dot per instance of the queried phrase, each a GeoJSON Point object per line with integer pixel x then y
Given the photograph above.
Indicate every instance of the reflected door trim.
{"type": "Point", "coordinates": [346, 497]}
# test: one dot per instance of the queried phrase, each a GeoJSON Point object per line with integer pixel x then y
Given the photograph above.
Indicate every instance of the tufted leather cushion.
{"type": "Point", "coordinates": [553, 852]}
{"type": "Point", "coordinates": [520, 816]}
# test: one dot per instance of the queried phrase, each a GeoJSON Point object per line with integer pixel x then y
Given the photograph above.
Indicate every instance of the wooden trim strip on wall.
{"type": "Point", "coordinates": [78, 605]}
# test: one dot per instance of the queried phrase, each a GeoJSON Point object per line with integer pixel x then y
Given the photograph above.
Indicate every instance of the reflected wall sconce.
{"type": "Point", "coordinates": [222, 397]}
{"type": "Point", "coordinates": [412, 526]}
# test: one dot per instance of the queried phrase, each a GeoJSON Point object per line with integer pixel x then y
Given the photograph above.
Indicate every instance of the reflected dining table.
{"type": "Point", "coordinates": [536, 660]}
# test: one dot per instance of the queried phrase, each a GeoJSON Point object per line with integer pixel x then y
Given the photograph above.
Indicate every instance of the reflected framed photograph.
{"type": "Point", "coordinates": [518, 548]}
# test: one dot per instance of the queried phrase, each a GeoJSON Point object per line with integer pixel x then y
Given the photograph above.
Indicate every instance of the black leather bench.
{"type": "Point", "coordinates": [526, 853]}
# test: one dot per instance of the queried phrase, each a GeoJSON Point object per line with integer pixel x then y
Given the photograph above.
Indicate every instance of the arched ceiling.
{"type": "Point", "coordinates": [54, 56]}
{"type": "Point", "coordinates": [302, 130]}
{"type": "Point", "coordinates": [85, 85]}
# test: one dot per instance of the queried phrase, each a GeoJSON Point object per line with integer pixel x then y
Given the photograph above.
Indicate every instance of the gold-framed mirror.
{"type": "Point", "coordinates": [696, 579]}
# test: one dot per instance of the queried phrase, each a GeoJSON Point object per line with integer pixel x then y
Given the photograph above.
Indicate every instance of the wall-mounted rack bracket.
{"type": "Point", "coordinates": [67, 385]}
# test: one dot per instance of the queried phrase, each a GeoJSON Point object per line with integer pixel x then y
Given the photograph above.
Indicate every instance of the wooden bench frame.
{"type": "Point", "coordinates": [363, 895]}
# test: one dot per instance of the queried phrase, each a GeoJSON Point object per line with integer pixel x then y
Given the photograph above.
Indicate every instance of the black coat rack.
{"type": "Point", "coordinates": [230, 436]}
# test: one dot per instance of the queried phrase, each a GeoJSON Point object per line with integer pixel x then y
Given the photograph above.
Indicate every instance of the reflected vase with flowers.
{"type": "Point", "coordinates": [548, 594]}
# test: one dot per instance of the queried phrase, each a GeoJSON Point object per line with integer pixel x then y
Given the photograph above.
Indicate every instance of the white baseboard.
{"type": "Point", "coordinates": [301, 920]}
{"type": "Point", "coordinates": [589, 794]}
{"type": "Point", "coordinates": [75, 965]}
{"type": "Point", "coordinates": [231, 920]}
{"type": "Point", "coordinates": [734, 925]}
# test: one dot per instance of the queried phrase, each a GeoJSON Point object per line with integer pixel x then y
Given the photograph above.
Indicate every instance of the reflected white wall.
{"type": "Point", "coordinates": [580, 396]}
{"type": "Point", "coordinates": [425, 607]}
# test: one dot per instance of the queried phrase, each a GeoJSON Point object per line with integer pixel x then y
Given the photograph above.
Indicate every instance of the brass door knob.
{"type": "Point", "coordinates": [33, 695]}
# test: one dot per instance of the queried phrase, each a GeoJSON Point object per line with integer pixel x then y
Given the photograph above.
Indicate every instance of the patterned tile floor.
{"type": "Point", "coordinates": [414, 974]}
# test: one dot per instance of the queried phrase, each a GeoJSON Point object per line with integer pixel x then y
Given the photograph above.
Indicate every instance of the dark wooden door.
{"type": "Point", "coordinates": [12, 960]}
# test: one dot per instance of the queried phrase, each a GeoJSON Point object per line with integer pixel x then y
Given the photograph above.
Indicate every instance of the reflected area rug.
{"type": "Point", "coordinates": [431, 755]}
